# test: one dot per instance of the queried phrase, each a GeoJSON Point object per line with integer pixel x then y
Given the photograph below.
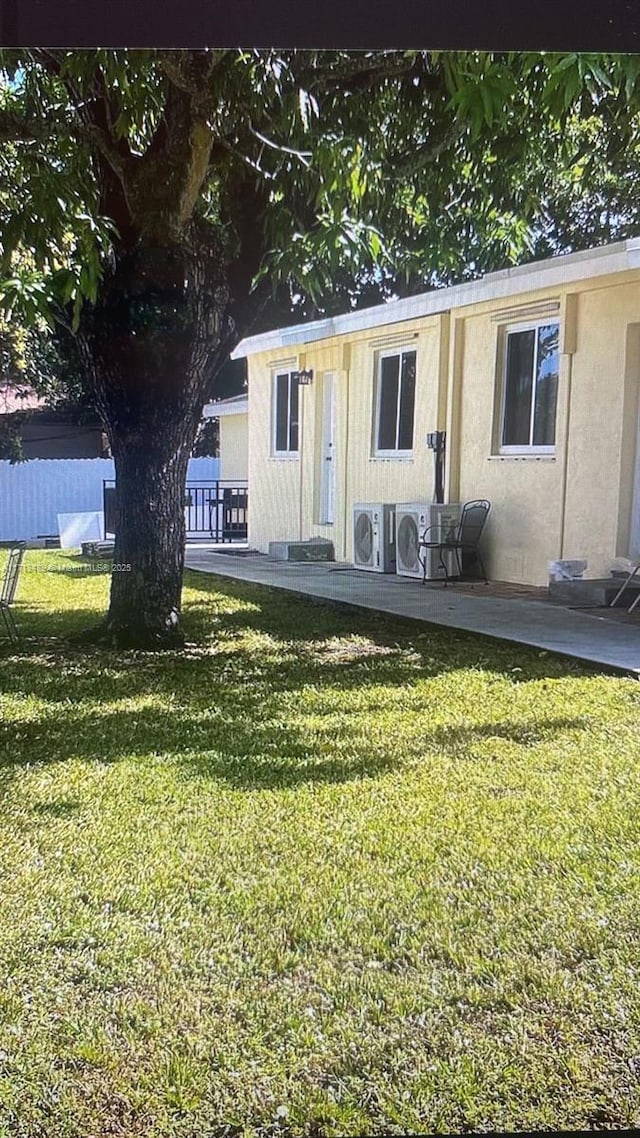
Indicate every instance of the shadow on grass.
{"type": "Point", "coordinates": [44, 633]}
{"type": "Point", "coordinates": [220, 705]}
{"type": "Point", "coordinates": [315, 643]}
{"type": "Point", "coordinates": [278, 613]}
{"type": "Point", "coordinates": [250, 749]}
{"type": "Point", "coordinates": [63, 808]}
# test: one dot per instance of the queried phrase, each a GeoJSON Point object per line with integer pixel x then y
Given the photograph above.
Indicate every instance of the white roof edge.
{"type": "Point", "coordinates": [236, 405]}
{"type": "Point", "coordinates": [563, 269]}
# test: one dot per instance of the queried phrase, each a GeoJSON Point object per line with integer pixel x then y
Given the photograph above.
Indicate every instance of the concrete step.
{"type": "Point", "coordinates": [315, 549]}
{"type": "Point", "coordinates": [598, 592]}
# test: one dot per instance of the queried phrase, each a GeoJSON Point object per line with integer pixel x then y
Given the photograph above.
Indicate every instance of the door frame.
{"type": "Point", "coordinates": [634, 521]}
{"type": "Point", "coordinates": [327, 511]}
{"type": "Point", "coordinates": [628, 533]}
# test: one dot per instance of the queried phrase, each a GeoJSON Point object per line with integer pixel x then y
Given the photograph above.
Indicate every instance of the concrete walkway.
{"type": "Point", "coordinates": [551, 627]}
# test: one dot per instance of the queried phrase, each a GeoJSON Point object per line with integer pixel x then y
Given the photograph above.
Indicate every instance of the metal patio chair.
{"type": "Point", "coordinates": [9, 586]}
{"type": "Point", "coordinates": [464, 539]}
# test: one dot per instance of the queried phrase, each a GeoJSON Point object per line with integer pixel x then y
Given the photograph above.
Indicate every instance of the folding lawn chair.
{"type": "Point", "coordinates": [9, 586]}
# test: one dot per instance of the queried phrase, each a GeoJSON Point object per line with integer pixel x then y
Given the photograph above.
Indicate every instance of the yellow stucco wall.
{"type": "Point", "coordinates": [603, 424]}
{"type": "Point", "coordinates": [533, 519]}
{"type": "Point", "coordinates": [234, 447]}
{"type": "Point", "coordinates": [522, 533]}
{"type": "Point", "coordinates": [574, 503]}
{"type": "Point", "coordinates": [285, 492]}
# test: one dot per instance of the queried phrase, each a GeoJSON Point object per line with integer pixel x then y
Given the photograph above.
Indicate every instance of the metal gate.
{"type": "Point", "coordinates": [217, 510]}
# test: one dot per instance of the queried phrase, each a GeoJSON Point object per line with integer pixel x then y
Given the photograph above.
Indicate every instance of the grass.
{"type": "Point", "coordinates": [325, 873]}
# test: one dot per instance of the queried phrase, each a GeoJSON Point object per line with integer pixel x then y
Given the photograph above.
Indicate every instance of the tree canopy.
{"type": "Point", "coordinates": [158, 204]}
{"type": "Point", "coordinates": [314, 168]}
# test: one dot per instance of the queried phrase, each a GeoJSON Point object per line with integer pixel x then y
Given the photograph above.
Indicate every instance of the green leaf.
{"type": "Point", "coordinates": [486, 102]}
{"type": "Point", "coordinates": [567, 61]}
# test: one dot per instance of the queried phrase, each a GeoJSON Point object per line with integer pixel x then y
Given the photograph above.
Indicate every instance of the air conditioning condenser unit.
{"type": "Point", "coordinates": [374, 537]}
{"type": "Point", "coordinates": [412, 519]}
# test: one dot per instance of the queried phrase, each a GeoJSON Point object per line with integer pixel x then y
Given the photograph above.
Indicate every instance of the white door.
{"type": "Point", "coordinates": [328, 471]}
{"type": "Point", "coordinates": [634, 535]}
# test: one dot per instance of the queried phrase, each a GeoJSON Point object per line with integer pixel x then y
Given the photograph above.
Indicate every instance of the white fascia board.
{"type": "Point", "coordinates": [222, 409]}
{"type": "Point", "coordinates": [553, 272]}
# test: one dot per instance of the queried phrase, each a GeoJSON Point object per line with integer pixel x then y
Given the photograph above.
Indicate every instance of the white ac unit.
{"type": "Point", "coordinates": [374, 537]}
{"type": "Point", "coordinates": [412, 519]}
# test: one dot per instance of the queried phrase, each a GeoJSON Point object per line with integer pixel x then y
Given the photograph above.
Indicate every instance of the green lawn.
{"type": "Point", "coordinates": [324, 873]}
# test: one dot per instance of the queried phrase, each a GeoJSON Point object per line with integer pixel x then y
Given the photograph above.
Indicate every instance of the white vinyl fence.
{"type": "Point", "coordinates": [33, 493]}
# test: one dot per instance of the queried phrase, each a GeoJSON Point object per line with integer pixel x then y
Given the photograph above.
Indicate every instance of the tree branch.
{"type": "Point", "coordinates": [16, 128]}
{"type": "Point", "coordinates": [402, 163]}
{"type": "Point", "coordinates": [303, 155]}
{"type": "Point", "coordinates": [190, 71]}
{"type": "Point", "coordinates": [360, 75]}
{"type": "Point", "coordinates": [93, 116]}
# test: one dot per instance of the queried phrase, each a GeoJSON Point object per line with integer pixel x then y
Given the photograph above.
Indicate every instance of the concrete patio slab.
{"type": "Point", "coordinates": [550, 627]}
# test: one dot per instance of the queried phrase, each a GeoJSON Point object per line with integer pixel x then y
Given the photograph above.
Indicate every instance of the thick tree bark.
{"type": "Point", "coordinates": [149, 346]}
{"type": "Point", "coordinates": [146, 583]}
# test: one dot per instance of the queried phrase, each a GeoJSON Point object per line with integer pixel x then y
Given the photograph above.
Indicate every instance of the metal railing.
{"type": "Point", "coordinates": [217, 509]}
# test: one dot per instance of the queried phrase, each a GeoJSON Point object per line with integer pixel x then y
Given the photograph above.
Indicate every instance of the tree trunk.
{"type": "Point", "coordinates": [148, 563]}
{"type": "Point", "coordinates": [150, 346]}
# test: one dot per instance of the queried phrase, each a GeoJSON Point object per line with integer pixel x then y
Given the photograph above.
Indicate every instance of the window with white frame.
{"type": "Point", "coordinates": [530, 388]}
{"type": "Point", "coordinates": [286, 403]}
{"type": "Point", "coordinates": [395, 402]}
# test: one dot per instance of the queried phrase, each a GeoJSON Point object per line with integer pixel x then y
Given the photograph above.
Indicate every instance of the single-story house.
{"type": "Point", "coordinates": [532, 372]}
{"type": "Point", "coordinates": [233, 449]}
{"type": "Point", "coordinates": [232, 414]}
